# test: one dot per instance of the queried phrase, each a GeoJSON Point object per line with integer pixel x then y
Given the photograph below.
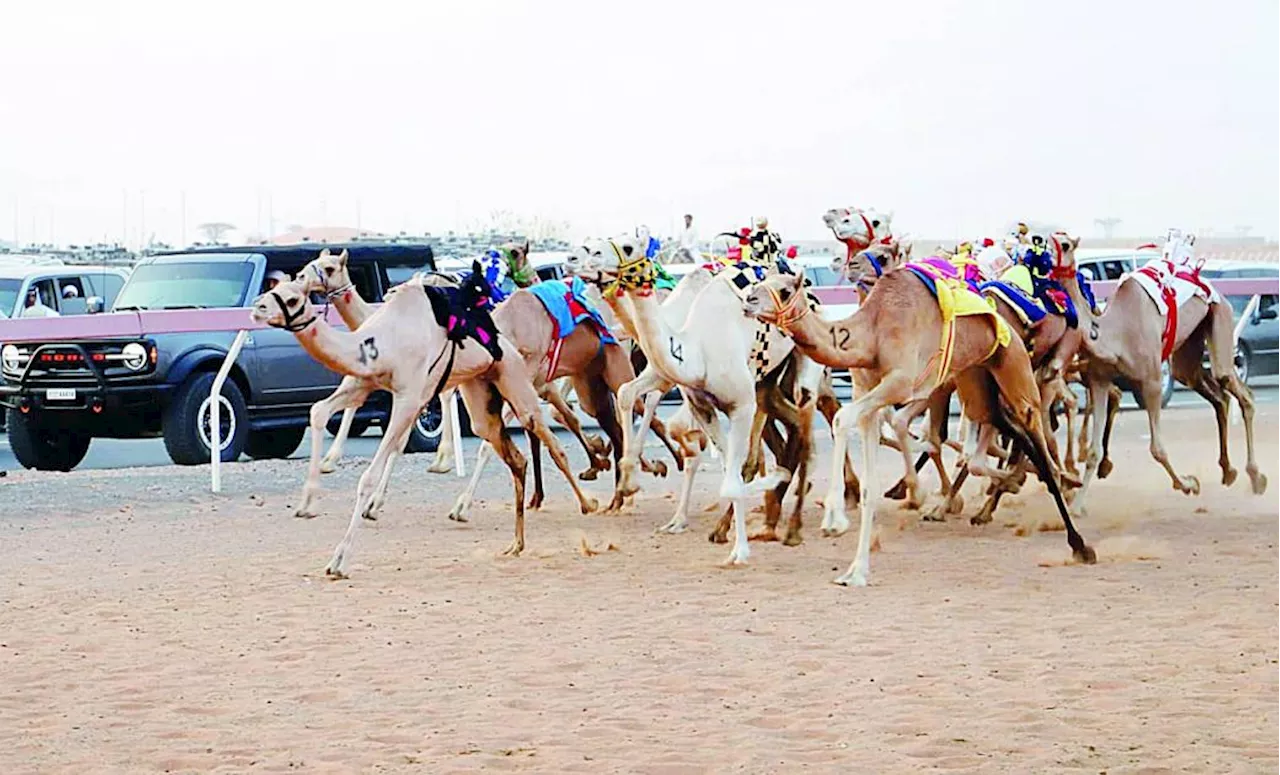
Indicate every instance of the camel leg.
{"type": "Point", "coordinates": [402, 416]}
{"type": "Point", "coordinates": [1093, 451]}
{"type": "Point", "coordinates": [633, 438]}
{"type": "Point", "coordinates": [487, 420]}
{"type": "Point", "coordinates": [349, 393]}
{"type": "Point", "coordinates": [834, 520]}
{"type": "Point", "coordinates": [331, 458]}
{"type": "Point", "coordinates": [443, 462]}
{"type": "Point", "coordinates": [524, 401]}
{"type": "Point", "coordinates": [1221, 357]}
{"type": "Point", "coordinates": [732, 486]}
{"type": "Point", "coordinates": [679, 522]}
{"type": "Point", "coordinates": [1113, 408]}
{"type": "Point", "coordinates": [597, 401]}
{"type": "Point", "coordinates": [866, 412]}
{"type": "Point", "coordinates": [463, 503]}
{"type": "Point", "coordinates": [1188, 485]}
{"type": "Point", "coordinates": [648, 419]}
{"type": "Point", "coordinates": [899, 423]}
{"type": "Point", "coordinates": [597, 453]}
{"type": "Point", "coordinates": [659, 468]}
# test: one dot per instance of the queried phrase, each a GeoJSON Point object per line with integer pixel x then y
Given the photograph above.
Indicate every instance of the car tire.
{"type": "Point", "coordinates": [274, 444]}
{"type": "Point", "coordinates": [358, 427]}
{"type": "Point", "coordinates": [424, 435]}
{"type": "Point", "coordinates": [45, 449]}
{"type": "Point", "coordinates": [186, 422]}
{"type": "Point", "coordinates": [1243, 363]}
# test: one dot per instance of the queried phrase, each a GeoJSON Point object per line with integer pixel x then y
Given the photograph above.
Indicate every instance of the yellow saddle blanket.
{"type": "Point", "coordinates": [955, 300]}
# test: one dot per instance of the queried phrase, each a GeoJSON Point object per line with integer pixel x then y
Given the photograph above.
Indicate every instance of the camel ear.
{"type": "Point", "coordinates": [324, 253]}
{"type": "Point", "coordinates": [1075, 242]}
{"type": "Point", "coordinates": [342, 257]}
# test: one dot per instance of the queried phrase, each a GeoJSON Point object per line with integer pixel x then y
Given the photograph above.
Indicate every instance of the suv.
{"type": "Point", "coordinates": [95, 287]}
{"type": "Point", "coordinates": [1260, 338]}
{"type": "Point", "coordinates": [60, 395]}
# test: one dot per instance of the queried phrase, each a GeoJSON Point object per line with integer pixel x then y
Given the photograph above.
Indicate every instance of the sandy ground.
{"type": "Point", "coordinates": [148, 626]}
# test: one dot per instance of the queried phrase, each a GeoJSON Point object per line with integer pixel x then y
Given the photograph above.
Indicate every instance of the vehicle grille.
{"type": "Point", "coordinates": [65, 364]}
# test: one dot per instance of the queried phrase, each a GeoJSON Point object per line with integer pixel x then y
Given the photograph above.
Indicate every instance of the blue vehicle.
{"type": "Point", "coordinates": [61, 395]}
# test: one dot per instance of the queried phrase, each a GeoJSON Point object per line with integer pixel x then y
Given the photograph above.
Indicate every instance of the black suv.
{"type": "Point", "coordinates": [60, 395]}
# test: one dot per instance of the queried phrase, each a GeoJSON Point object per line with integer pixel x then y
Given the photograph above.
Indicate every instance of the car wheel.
{"type": "Point", "coordinates": [274, 444]}
{"type": "Point", "coordinates": [424, 434]}
{"type": "Point", "coordinates": [1166, 384]}
{"type": "Point", "coordinates": [1243, 363]}
{"type": "Point", "coordinates": [358, 427]}
{"type": "Point", "coordinates": [187, 432]}
{"type": "Point", "coordinates": [45, 449]}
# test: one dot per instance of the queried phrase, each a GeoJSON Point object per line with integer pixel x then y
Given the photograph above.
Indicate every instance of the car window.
{"type": "Point", "coordinates": [9, 288]}
{"type": "Point", "coordinates": [1089, 270]}
{"type": "Point", "coordinates": [182, 285]}
{"type": "Point", "coordinates": [822, 275]}
{"type": "Point", "coordinates": [48, 296]}
{"type": "Point", "coordinates": [549, 273]}
{"type": "Point", "coordinates": [1112, 270]}
{"type": "Point", "coordinates": [71, 288]}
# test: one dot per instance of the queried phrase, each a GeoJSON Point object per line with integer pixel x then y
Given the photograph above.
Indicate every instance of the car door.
{"type": "Point", "coordinates": [1262, 335]}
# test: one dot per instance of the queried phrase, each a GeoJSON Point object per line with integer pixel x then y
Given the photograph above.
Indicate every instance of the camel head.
{"type": "Point", "coordinates": [1062, 247]}
{"type": "Point", "coordinates": [286, 306]}
{"type": "Point", "coordinates": [326, 274]}
{"type": "Point", "coordinates": [516, 255]}
{"type": "Point", "coordinates": [614, 264]}
{"type": "Point", "coordinates": [858, 228]}
{"type": "Point", "coordinates": [865, 266]}
{"type": "Point", "coordinates": [778, 299]}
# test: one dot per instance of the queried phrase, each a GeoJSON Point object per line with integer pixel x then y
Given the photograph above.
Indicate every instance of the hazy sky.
{"type": "Point", "coordinates": [961, 117]}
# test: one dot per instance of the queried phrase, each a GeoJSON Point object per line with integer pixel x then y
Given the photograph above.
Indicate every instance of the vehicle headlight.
{"type": "Point", "coordinates": [9, 357]}
{"type": "Point", "coordinates": [134, 356]}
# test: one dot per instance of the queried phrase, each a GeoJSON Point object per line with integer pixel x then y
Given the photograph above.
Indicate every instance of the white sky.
{"type": "Point", "coordinates": [961, 117]}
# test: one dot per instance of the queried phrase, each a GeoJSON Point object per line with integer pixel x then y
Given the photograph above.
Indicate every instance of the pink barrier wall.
{"type": "Point", "coordinates": [132, 324]}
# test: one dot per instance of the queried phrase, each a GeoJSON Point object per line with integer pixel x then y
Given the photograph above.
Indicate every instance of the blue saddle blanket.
{"type": "Point", "coordinates": [568, 306]}
{"type": "Point", "coordinates": [1030, 310]}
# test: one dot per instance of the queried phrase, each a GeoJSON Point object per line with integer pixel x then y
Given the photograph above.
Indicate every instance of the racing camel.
{"type": "Point", "coordinates": [891, 345]}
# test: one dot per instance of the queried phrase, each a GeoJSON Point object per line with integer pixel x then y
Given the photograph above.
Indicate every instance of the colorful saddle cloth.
{"type": "Point", "coordinates": [1170, 286]}
{"type": "Point", "coordinates": [955, 299]}
{"type": "Point", "coordinates": [463, 312]}
{"type": "Point", "coordinates": [568, 306]}
{"type": "Point", "coordinates": [1015, 288]}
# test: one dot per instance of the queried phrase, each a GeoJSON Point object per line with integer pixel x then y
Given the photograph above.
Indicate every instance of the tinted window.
{"type": "Point", "coordinates": [185, 285]}
{"type": "Point", "coordinates": [9, 295]}
{"type": "Point", "coordinates": [822, 275]}
{"type": "Point", "coordinates": [105, 285]}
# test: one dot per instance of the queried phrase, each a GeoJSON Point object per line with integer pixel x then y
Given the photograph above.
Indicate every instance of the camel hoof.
{"type": "Point", "coordinates": [333, 574]}
{"type": "Point", "coordinates": [1070, 481]}
{"type": "Point", "coordinates": [766, 534]}
{"type": "Point", "coordinates": [1104, 468]}
{"type": "Point", "coordinates": [588, 475]}
{"type": "Point", "coordinates": [535, 503]}
{"type": "Point", "coordinates": [673, 527]}
{"type": "Point", "coordinates": [1190, 485]}
{"type": "Point", "coordinates": [738, 556]}
{"type": "Point", "coordinates": [327, 467]}
{"type": "Point", "coordinates": [305, 514]}
{"type": "Point", "coordinates": [854, 578]}
{"type": "Point", "coordinates": [718, 537]}
{"type": "Point", "coordinates": [1086, 555]}
{"type": "Point", "coordinates": [440, 467]}
{"type": "Point", "coordinates": [660, 468]}
{"type": "Point", "coordinates": [981, 518]}
{"type": "Point", "coordinates": [1259, 483]}
{"type": "Point", "coordinates": [1229, 476]}
{"type": "Point", "coordinates": [615, 505]}
{"type": "Point", "coordinates": [456, 517]}
{"type": "Point", "coordinates": [956, 504]}
{"type": "Point", "coordinates": [896, 492]}
{"type": "Point", "coordinates": [514, 549]}
{"type": "Point", "coordinates": [793, 539]}
{"type": "Point", "coordinates": [590, 505]}
{"type": "Point", "coordinates": [935, 514]}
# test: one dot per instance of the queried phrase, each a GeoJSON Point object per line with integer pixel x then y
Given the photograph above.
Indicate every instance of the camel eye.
{"type": "Point", "coordinates": [785, 294]}
{"type": "Point", "coordinates": [293, 302]}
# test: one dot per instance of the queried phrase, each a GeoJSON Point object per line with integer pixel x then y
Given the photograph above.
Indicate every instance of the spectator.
{"type": "Point", "coordinates": [36, 308]}
{"type": "Point", "coordinates": [687, 248]}
{"type": "Point", "coordinates": [274, 278]}
{"type": "Point", "coordinates": [70, 292]}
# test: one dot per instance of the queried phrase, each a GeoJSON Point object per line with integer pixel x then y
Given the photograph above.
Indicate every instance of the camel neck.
{"type": "Point", "coordinates": [353, 309]}
{"type": "Point", "coordinates": [1097, 340]}
{"type": "Point", "coordinates": [847, 343]}
{"type": "Point", "coordinates": [338, 350]}
{"type": "Point", "coordinates": [663, 346]}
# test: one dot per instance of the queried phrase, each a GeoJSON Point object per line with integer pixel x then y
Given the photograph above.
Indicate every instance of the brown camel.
{"type": "Point", "coordinates": [404, 348]}
{"type": "Point", "coordinates": [891, 347]}
{"type": "Point", "coordinates": [1129, 339]}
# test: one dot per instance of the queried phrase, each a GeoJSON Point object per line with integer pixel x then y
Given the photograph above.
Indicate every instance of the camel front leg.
{"type": "Point", "coordinates": [331, 458]}
{"type": "Point", "coordinates": [520, 395]}
{"type": "Point", "coordinates": [834, 520]}
{"type": "Point", "coordinates": [692, 454]}
{"type": "Point", "coordinates": [868, 427]}
{"type": "Point", "coordinates": [403, 413]}
{"type": "Point", "coordinates": [1098, 397]}
{"type": "Point", "coordinates": [597, 450]}
{"type": "Point", "coordinates": [1244, 396]}
{"type": "Point", "coordinates": [492, 428]}
{"type": "Point", "coordinates": [350, 393]}
{"type": "Point", "coordinates": [732, 485]}
{"type": "Point", "coordinates": [633, 438]}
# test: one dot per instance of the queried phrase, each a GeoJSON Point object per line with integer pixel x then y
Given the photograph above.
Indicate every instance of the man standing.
{"type": "Point", "coordinates": [688, 245]}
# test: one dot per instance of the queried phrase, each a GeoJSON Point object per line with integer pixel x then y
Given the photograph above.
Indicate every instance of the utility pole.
{"type": "Point", "coordinates": [182, 205]}
{"type": "Point", "coordinates": [142, 228]}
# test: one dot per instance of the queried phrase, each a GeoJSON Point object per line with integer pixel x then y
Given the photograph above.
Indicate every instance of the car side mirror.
{"type": "Point", "coordinates": [93, 305]}
{"type": "Point", "coordinates": [1265, 314]}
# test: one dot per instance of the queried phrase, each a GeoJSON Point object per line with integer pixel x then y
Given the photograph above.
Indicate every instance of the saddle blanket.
{"type": "Point", "coordinates": [568, 306]}
{"type": "Point", "coordinates": [1015, 288]}
{"type": "Point", "coordinates": [955, 299]}
{"type": "Point", "coordinates": [1184, 283]}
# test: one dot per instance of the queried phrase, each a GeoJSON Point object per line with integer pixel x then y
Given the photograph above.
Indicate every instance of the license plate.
{"type": "Point", "coordinates": [61, 394]}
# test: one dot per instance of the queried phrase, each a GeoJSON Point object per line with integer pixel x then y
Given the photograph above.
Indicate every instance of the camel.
{"type": "Point", "coordinates": [328, 274]}
{"type": "Point", "coordinates": [1135, 333]}
{"type": "Point", "coordinates": [400, 348]}
{"type": "Point", "coordinates": [891, 347]}
{"type": "Point", "coordinates": [707, 355]}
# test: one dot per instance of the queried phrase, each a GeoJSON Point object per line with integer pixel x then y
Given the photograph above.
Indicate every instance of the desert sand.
{"type": "Point", "coordinates": [148, 626]}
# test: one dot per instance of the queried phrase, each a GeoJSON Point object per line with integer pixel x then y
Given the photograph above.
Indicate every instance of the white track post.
{"type": "Point", "coordinates": [1235, 344]}
{"type": "Point", "coordinates": [215, 421]}
{"type": "Point", "coordinates": [459, 465]}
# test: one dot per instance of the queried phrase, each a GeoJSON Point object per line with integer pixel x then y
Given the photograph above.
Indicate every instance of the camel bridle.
{"type": "Point", "coordinates": [787, 312]}
{"type": "Point", "coordinates": [635, 273]}
{"type": "Point", "coordinates": [330, 295]}
{"type": "Point", "coordinates": [291, 319]}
